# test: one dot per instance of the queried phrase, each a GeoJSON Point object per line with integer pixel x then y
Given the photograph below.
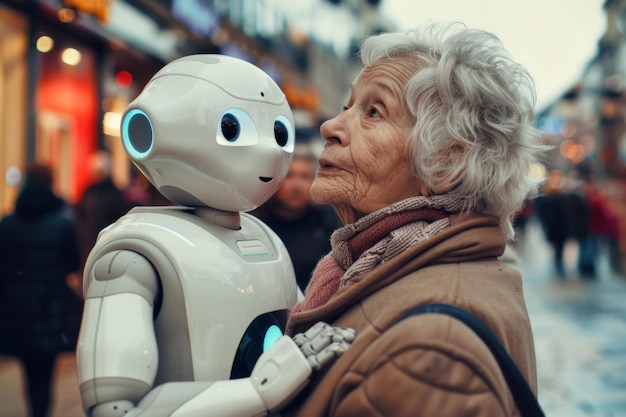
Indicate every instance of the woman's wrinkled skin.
{"type": "Point", "coordinates": [365, 164]}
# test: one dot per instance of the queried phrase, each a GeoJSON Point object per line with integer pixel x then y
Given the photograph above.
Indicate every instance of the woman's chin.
{"type": "Point", "coordinates": [322, 192]}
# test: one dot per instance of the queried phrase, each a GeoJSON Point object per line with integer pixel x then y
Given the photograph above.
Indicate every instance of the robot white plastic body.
{"type": "Point", "coordinates": [181, 302]}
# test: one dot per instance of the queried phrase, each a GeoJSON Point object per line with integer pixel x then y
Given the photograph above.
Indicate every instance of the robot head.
{"type": "Point", "coordinates": [211, 130]}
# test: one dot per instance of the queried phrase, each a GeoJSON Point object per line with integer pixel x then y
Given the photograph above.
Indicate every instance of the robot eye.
{"type": "Point", "coordinates": [284, 133]}
{"type": "Point", "coordinates": [137, 134]}
{"type": "Point", "coordinates": [236, 128]}
{"type": "Point", "coordinates": [280, 133]}
{"type": "Point", "coordinates": [230, 127]}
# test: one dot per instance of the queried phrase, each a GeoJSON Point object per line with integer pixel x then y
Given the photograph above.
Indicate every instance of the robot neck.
{"type": "Point", "coordinates": [228, 219]}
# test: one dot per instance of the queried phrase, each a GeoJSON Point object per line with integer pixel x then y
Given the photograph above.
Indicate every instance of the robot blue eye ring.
{"type": "Point", "coordinates": [137, 133]}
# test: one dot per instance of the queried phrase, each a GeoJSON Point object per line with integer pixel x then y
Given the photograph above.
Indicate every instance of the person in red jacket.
{"type": "Point", "coordinates": [603, 229]}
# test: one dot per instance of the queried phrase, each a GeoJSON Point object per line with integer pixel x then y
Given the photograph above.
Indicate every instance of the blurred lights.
{"type": "Point", "coordinates": [556, 181]}
{"type": "Point", "coordinates": [572, 151]}
{"type": "Point", "coordinates": [66, 14]}
{"type": "Point", "coordinates": [588, 142]}
{"type": "Point", "coordinates": [111, 123]}
{"type": "Point", "coordinates": [568, 129]}
{"type": "Point", "coordinates": [71, 56]}
{"type": "Point", "coordinates": [13, 175]}
{"type": "Point", "coordinates": [610, 109]}
{"type": "Point", "coordinates": [124, 79]}
{"type": "Point", "coordinates": [538, 172]}
{"type": "Point", "coordinates": [44, 43]}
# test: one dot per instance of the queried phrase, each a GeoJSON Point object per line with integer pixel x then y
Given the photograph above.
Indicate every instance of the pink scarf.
{"type": "Point", "coordinates": [361, 246]}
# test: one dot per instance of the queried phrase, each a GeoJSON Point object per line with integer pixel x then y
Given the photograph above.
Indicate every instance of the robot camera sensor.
{"type": "Point", "coordinates": [137, 133]}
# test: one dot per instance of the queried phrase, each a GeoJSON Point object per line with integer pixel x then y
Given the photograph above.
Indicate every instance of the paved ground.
{"type": "Point", "coordinates": [580, 334]}
{"type": "Point", "coordinates": [66, 397]}
{"type": "Point", "coordinates": [580, 338]}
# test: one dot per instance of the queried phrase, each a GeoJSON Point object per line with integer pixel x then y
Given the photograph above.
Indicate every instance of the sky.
{"type": "Point", "coordinates": [553, 39]}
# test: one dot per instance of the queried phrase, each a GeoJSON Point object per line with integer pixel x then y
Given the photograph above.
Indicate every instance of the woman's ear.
{"type": "Point", "coordinates": [451, 175]}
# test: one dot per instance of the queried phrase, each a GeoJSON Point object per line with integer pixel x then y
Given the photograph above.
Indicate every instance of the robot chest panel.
{"type": "Point", "coordinates": [206, 261]}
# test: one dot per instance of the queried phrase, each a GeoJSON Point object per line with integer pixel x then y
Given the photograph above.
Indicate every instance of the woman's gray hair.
{"type": "Point", "coordinates": [473, 109]}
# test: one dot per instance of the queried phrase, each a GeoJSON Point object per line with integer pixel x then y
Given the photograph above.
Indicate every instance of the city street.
{"type": "Point", "coordinates": [580, 333]}
{"type": "Point", "coordinates": [580, 337]}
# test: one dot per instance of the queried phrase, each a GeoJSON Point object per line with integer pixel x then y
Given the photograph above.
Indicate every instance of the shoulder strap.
{"type": "Point", "coordinates": [523, 395]}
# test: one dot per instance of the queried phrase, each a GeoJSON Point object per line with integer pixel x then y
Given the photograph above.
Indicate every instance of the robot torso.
{"type": "Point", "coordinates": [221, 290]}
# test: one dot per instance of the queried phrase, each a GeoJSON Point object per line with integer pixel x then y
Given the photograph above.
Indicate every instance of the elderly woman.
{"type": "Point", "coordinates": [426, 166]}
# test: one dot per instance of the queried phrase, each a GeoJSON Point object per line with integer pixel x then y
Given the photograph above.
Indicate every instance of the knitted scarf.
{"type": "Point", "coordinates": [361, 246]}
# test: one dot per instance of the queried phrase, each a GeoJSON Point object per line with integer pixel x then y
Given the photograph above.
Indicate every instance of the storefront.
{"type": "Point", "coordinates": [69, 68]}
{"type": "Point", "coordinates": [63, 85]}
{"type": "Point", "coordinates": [66, 110]}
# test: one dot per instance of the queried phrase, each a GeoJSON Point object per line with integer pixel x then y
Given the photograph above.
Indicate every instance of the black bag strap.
{"type": "Point", "coordinates": [523, 395]}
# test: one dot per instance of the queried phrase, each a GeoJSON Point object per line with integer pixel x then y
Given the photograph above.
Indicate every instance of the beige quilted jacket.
{"type": "Point", "coordinates": [428, 365]}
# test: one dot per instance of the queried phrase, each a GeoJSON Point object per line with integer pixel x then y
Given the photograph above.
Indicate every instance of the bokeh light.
{"type": "Point", "coordinates": [44, 43]}
{"type": "Point", "coordinates": [71, 56]}
{"type": "Point", "coordinates": [124, 79]}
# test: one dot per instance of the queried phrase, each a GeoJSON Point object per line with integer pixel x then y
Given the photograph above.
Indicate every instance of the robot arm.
{"type": "Point", "coordinates": [278, 376]}
{"type": "Point", "coordinates": [118, 358]}
{"type": "Point", "coordinates": [117, 351]}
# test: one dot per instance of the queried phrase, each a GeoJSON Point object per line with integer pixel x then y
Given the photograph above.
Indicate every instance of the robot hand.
{"type": "Point", "coordinates": [284, 370]}
{"type": "Point", "coordinates": [322, 343]}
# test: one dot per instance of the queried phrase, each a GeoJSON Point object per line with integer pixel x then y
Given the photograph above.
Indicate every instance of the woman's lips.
{"type": "Point", "coordinates": [326, 164]}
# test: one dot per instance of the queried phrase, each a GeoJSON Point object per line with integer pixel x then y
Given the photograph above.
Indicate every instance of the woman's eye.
{"type": "Point", "coordinates": [372, 112]}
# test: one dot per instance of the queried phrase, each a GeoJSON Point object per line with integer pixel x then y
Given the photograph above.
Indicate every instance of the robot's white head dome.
{"type": "Point", "coordinates": [211, 130]}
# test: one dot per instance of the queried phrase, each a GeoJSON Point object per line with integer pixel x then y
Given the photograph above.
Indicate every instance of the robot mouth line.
{"type": "Point", "coordinates": [266, 179]}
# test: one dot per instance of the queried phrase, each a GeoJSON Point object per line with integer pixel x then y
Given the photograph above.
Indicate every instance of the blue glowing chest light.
{"type": "Point", "coordinates": [260, 336]}
{"type": "Point", "coordinates": [271, 336]}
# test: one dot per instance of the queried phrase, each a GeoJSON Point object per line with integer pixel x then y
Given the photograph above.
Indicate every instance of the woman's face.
{"type": "Point", "coordinates": [365, 164]}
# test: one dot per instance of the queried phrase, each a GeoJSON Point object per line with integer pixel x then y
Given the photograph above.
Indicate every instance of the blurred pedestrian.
{"type": "Point", "coordinates": [602, 226]}
{"type": "Point", "coordinates": [136, 194]}
{"type": "Point", "coordinates": [563, 214]}
{"type": "Point", "coordinates": [613, 242]}
{"type": "Point", "coordinates": [141, 192]}
{"type": "Point", "coordinates": [39, 313]}
{"type": "Point", "coordinates": [101, 204]}
{"type": "Point", "coordinates": [522, 217]}
{"type": "Point", "coordinates": [303, 226]}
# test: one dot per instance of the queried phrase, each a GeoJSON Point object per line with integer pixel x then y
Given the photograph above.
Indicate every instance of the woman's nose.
{"type": "Point", "coordinates": [332, 132]}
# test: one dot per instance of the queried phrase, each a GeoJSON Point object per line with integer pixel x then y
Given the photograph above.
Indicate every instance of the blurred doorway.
{"type": "Point", "coordinates": [54, 148]}
{"type": "Point", "coordinates": [66, 106]}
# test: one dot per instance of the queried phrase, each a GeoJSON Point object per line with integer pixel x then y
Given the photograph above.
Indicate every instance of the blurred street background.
{"type": "Point", "coordinates": [68, 69]}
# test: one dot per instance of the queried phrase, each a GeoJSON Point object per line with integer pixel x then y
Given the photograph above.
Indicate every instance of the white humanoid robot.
{"type": "Point", "coordinates": [185, 305]}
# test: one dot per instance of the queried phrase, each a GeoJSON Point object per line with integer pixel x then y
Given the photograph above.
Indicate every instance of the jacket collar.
{"type": "Point", "coordinates": [473, 239]}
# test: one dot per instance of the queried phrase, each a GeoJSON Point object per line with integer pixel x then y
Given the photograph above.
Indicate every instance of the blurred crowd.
{"type": "Point", "coordinates": [573, 208]}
